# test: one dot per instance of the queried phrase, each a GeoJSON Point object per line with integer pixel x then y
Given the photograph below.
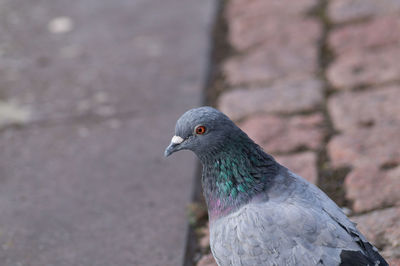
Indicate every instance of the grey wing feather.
{"type": "Point", "coordinates": [276, 234]}
{"type": "Point", "coordinates": [368, 253]}
{"type": "Point", "coordinates": [332, 210]}
{"type": "Point", "coordinates": [298, 225]}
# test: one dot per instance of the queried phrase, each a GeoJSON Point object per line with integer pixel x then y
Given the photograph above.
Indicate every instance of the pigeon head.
{"type": "Point", "coordinates": [203, 130]}
{"type": "Point", "coordinates": [235, 169]}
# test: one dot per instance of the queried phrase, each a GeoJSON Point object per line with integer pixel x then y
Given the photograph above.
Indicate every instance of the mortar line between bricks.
{"type": "Point", "coordinates": [368, 87]}
{"type": "Point", "coordinates": [254, 85]}
{"type": "Point", "coordinates": [330, 180]}
{"type": "Point", "coordinates": [380, 208]}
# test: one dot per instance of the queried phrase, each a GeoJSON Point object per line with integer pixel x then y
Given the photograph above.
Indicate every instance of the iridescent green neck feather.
{"type": "Point", "coordinates": [234, 173]}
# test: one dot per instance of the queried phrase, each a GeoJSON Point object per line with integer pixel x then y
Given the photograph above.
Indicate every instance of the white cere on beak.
{"type": "Point", "coordinates": [176, 140]}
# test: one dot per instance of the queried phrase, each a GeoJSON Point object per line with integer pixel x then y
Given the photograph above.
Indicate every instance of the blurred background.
{"type": "Point", "coordinates": [90, 92]}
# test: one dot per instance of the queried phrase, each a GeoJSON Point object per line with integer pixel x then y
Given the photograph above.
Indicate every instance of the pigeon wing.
{"type": "Point", "coordinates": [368, 253]}
{"type": "Point", "coordinates": [278, 234]}
{"type": "Point", "coordinates": [298, 225]}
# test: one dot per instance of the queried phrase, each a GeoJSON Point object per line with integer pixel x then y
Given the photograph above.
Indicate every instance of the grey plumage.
{"type": "Point", "coordinates": [298, 225]}
{"type": "Point", "coordinates": [260, 212]}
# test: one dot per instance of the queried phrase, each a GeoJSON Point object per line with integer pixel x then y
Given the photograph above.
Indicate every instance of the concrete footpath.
{"type": "Point", "coordinates": [89, 95]}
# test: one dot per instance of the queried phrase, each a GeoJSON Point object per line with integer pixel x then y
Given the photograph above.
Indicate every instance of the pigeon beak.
{"type": "Point", "coordinates": [173, 147]}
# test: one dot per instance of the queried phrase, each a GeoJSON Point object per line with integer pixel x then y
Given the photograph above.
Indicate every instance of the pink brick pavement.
{"type": "Point", "coordinates": [318, 117]}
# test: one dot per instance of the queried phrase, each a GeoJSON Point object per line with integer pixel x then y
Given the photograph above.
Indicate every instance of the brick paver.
{"type": "Point", "coordinates": [352, 110]}
{"type": "Point", "coordinates": [278, 41]}
{"type": "Point", "coordinates": [280, 57]}
{"type": "Point", "coordinates": [298, 94]}
{"type": "Point", "coordinates": [362, 68]}
{"type": "Point", "coordinates": [370, 187]}
{"type": "Point", "coordinates": [372, 34]}
{"type": "Point", "coordinates": [341, 11]}
{"type": "Point", "coordinates": [283, 135]}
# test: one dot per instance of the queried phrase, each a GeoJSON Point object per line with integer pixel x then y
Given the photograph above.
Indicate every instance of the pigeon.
{"type": "Point", "coordinates": [261, 213]}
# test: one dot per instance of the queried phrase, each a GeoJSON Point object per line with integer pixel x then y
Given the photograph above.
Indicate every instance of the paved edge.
{"type": "Point", "coordinates": [196, 194]}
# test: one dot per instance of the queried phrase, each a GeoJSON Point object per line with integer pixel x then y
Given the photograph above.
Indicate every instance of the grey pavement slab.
{"type": "Point", "coordinates": [90, 186]}
{"type": "Point", "coordinates": [115, 57]}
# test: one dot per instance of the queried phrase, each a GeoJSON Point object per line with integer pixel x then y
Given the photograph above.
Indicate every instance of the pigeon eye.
{"type": "Point", "coordinates": [200, 130]}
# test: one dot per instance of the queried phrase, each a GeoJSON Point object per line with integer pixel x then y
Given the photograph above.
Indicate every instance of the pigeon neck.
{"type": "Point", "coordinates": [235, 175]}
